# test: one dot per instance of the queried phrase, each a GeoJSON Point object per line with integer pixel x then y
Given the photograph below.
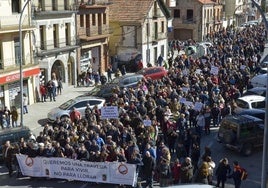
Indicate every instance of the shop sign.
{"type": "Point", "coordinates": [16, 76]}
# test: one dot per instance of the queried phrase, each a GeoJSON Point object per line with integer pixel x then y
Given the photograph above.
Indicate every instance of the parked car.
{"type": "Point", "coordinates": [259, 80]}
{"type": "Point", "coordinates": [258, 113]}
{"type": "Point", "coordinates": [249, 102]}
{"type": "Point", "coordinates": [80, 103]}
{"type": "Point", "coordinates": [256, 91]}
{"type": "Point", "coordinates": [103, 91]}
{"type": "Point", "coordinates": [13, 135]}
{"type": "Point", "coordinates": [154, 73]}
{"type": "Point", "coordinates": [129, 80]}
{"type": "Point", "coordinates": [241, 133]}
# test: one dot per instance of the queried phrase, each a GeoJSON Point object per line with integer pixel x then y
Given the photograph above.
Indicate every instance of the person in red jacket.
{"type": "Point", "coordinates": [43, 92]}
{"type": "Point", "coordinates": [175, 169]}
{"type": "Point", "coordinates": [75, 116]}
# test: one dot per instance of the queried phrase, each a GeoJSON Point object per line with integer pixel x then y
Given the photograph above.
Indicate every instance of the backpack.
{"type": "Point", "coordinates": [244, 174]}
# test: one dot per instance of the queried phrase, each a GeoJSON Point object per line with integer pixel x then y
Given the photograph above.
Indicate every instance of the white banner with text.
{"type": "Point", "coordinates": [64, 168]}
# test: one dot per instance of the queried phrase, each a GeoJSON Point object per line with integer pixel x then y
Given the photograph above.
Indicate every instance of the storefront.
{"type": "Point", "coordinates": [10, 87]}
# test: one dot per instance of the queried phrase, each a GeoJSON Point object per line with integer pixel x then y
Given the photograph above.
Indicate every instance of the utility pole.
{"type": "Point", "coordinates": [265, 136]}
{"type": "Point", "coordinates": [21, 63]}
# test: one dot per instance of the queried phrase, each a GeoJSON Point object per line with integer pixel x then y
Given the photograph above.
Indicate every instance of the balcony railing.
{"type": "Point", "coordinates": [93, 2]}
{"type": "Point", "coordinates": [54, 8]}
{"type": "Point", "coordinates": [15, 62]}
{"type": "Point", "coordinates": [58, 43]}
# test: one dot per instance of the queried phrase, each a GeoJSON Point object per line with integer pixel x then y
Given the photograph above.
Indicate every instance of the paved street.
{"type": "Point", "coordinates": [37, 115]}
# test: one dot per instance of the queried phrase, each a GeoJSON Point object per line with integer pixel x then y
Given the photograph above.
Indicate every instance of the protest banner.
{"type": "Point", "coordinates": [147, 122]}
{"type": "Point", "coordinates": [214, 70]}
{"type": "Point", "coordinates": [198, 106]}
{"type": "Point", "coordinates": [64, 168]}
{"type": "Point", "coordinates": [109, 112]}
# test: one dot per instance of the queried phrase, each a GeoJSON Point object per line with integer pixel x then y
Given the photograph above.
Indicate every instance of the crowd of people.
{"type": "Point", "coordinates": [167, 149]}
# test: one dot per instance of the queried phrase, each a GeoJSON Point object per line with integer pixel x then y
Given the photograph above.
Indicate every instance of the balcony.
{"type": "Point", "coordinates": [42, 11]}
{"type": "Point", "coordinates": [189, 21]}
{"type": "Point", "coordinates": [11, 23]}
{"type": "Point", "coordinates": [93, 2]}
{"type": "Point", "coordinates": [49, 47]}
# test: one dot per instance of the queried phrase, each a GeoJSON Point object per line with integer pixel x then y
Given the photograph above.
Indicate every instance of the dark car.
{"type": "Point", "coordinates": [241, 133]}
{"type": "Point", "coordinates": [258, 113]}
{"type": "Point", "coordinates": [256, 91]}
{"type": "Point", "coordinates": [127, 81]}
{"type": "Point", "coordinates": [154, 73]}
{"type": "Point", "coordinates": [13, 135]}
{"type": "Point", "coordinates": [104, 91]}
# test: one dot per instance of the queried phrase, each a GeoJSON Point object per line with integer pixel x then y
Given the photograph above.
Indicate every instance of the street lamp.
{"type": "Point", "coordinates": [21, 60]}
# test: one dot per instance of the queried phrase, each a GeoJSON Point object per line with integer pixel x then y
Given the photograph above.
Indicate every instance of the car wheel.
{"type": "Point", "coordinates": [247, 149]}
{"type": "Point", "coordinates": [64, 117]}
{"type": "Point", "coordinates": [229, 137]}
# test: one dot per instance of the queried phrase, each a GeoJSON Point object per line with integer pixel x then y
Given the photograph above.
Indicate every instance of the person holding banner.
{"type": "Point", "coordinates": [8, 152]}
{"type": "Point", "coordinates": [148, 169]}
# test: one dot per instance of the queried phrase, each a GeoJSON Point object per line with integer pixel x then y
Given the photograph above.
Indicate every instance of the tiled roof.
{"type": "Point", "coordinates": [206, 1]}
{"type": "Point", "coordinates": [129, 10]}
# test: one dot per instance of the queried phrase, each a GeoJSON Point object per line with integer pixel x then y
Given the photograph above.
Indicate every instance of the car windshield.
{"type": "Point", "coordinates": [242, 104]}
{"type": "Point", "coordinates": [67, 104]}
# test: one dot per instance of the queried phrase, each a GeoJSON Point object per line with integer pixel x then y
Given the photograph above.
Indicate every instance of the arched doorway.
{"type": "Point", "coordinates": [58, 70]}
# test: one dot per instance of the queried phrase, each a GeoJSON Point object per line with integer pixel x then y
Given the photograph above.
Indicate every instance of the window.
{"type": "Point", "coordinates": [260, 104]}
{"type": "Point", "coordinates": [190, 15]}
{"type": "Point", "coordinates": [177, 13]}
{"type": "Point", "coordinates": [155, 30]}
{"type": "Point", "coordinates": [93, 19]}
{"type": "Point", "coordinates": [81, 20]}
{"type": "Point", "coordinates": [162, 26]}
{"type": "Point", "coordinates": [68, 33]}
{"type": "Point", "coordinates": [147, 30]}
{"type": "Point", "coordinates": [104, 18]}
{"type": "Point", "coordinates": [42, 30]}
{"type": "Point", "coordinates": [1, 60]}
{"type": "Point", "coordinates": [87, 21]}
{"type": "Point", "coordinates": [94, 102]}
{"type": "Point", "coordinates": [56, 35]}
{"type": "Point", "coordinates": [15, 6]}
{"type": "Point", "coordinates": [17, 50]}
{"type": "Point", "coordinates": [242, 104]}
{"type": "Point", "coordinates": [80, 104]}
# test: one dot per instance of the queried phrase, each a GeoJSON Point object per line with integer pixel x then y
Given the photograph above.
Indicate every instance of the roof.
{"type": "Point", "coordinates": [252, 98]}
{"type": "Point", "coordinates": [129, 11]}
{"type": "Point", "coordinates": [242, 118]}
{"type": "Point", "coordinates": [132, 10]}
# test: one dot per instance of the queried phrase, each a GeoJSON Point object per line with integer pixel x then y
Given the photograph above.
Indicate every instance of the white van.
{"type": "Point", "coordinates": [259, 80]}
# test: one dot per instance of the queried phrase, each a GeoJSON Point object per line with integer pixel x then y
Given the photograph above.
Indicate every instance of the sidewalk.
{"type": "Point", "coordinates": [37, 112]}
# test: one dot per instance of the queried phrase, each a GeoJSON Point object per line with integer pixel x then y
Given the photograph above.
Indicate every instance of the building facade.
{"type": "Point", "coordinates": [55, 43]}
{"type": "Point", "coordinates": [10, 54]}
{"type": "Point", "coordinates": [139, 27]}
{"type": "Point", "coordinates": [93, 34]}
{"type": "Point", "coordinates": [195, 19]}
